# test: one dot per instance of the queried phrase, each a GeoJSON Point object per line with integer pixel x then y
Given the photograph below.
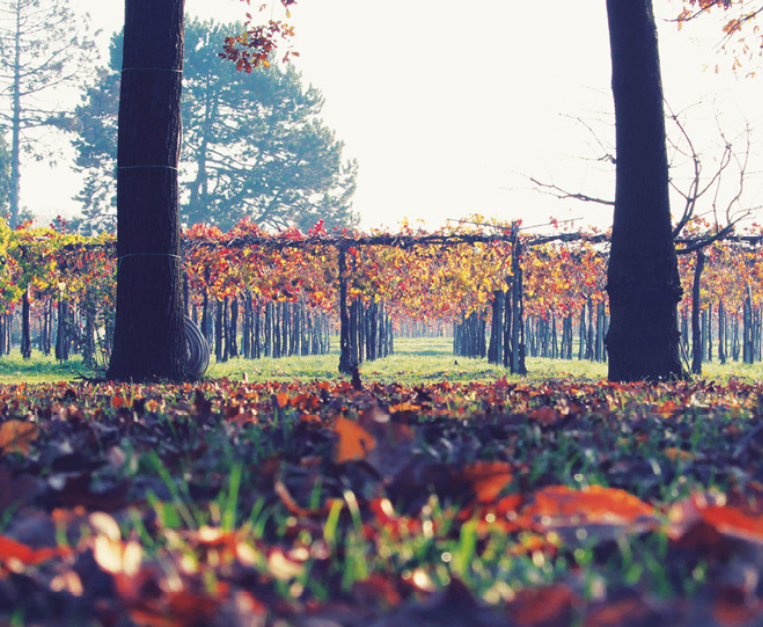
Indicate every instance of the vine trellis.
{"type": "Point", "coordinates": [507, 299]}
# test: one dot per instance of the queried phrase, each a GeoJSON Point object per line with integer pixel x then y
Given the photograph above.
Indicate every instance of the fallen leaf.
{"type": "Point", "coordinates": [17, 436]}
{"type": "Point", "coordinates": [354, 441]}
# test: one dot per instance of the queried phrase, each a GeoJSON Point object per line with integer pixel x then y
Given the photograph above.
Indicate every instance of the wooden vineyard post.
{"type": "Point", "coordinates": [345, 345]}
{"type": "Point", "coordinates": [696, 342]}
{"type": "Point", "coordinates": [517, 361]}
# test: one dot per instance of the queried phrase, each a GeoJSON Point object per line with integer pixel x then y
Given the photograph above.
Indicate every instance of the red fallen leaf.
{"type": "Point", "coordinates": [730, 520]}
{"type": "Point", "coordinates": [118, 401]}
{"type": "Point", "coordinates": [310, 418]}
{"type": "Point", "coordinates": [732, 607]}
{"type": "Point", "coordinates": [724, 519]}
{"type": "Point", "coordinates": [632, 610]}
{"type": "Point", "coordinates": [17, 436]}
{"type": "Point", "coordinates": [667, 409]}
{"type": "Point", "coordinates": [354, 441]}
{"type": "Point", "coordinates": [544, 415]}
{"type": "Point", "coordinates": [593, 504]}
{"type": "Point", "coordinates": [543, 607]}
{"type": "Point", "coordinates": [502, 383]}
{"type": "Point", "coordinates": [182, 608]}
{"type": "Point", "coordinates": [282, 399]}
{"type": "Point", "coordinates": [488, 479]}
{"type": "Point", "coordinates": [388, 520]}
{"type": "Point", "coordinates": [12, 550]}
{"type": "Point", "coordinates": [378, 589]}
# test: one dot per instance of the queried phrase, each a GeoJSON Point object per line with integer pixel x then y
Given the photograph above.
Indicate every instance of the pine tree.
{"type": "Point", "coordinates": [253, 144]}
{"type": "Point", "coordinates": [43, 46]}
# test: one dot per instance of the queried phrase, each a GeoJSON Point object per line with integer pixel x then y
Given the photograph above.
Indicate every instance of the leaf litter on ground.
{"type": "Point", "coordinates": [561, 502]}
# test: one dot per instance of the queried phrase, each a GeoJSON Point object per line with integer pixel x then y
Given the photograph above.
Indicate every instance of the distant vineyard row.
{"type": "Point", "coordinates": [445, 276]}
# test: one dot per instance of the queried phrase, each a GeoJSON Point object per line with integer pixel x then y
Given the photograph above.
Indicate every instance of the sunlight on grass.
{"type": "Point", "coordinates": [40, 368]}
{"type": "Point", "coordinates": [416, 360]}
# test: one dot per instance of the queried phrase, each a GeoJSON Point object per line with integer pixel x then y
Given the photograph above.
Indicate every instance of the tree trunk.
{"type": "Point", "coordinates": [149, 337]}
{"type": "Point", "coordinates": [13, 221]}
{"type": "Point", "coordinates": [696, 363]}
{"type": "Point", "coordinates": [26, 339]}
{"type": "Point", "coordinates": [642, 279]}
{"type": "Point", "coordinates": [219, 347]}
{"type": "Point", "coordinates": [721, 333]}
{"type": "Point", "coordinates": [345, 341]}
{"type": "Point", "coordinates": [62, 342]}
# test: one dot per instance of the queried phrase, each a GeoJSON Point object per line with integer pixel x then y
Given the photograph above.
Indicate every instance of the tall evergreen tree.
{"type": "Point", "coordinates": [43, 45]}
{"type": "Point", "coordinates": [253, 144]}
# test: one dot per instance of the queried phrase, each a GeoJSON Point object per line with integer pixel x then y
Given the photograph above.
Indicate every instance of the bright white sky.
{"type": "Point", "coordinates": [446, 104]}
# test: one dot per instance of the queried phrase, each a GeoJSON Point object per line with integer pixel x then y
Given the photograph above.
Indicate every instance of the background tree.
{"type": "Point", "coordinates": [149, 333]}
{"type": "Point", "coordinates": [5, 176]}
{"type": "Point", "coordinates": [253, 144]}
{"type": "Point", "coordinates": [42, 46]}
{"type": "Point", "coordinates": [95, 143]}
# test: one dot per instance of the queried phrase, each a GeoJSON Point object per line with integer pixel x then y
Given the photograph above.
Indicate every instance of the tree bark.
{"type": "Point", "coordinates": [696, 364]}
{"type": "Point", "coordinates": [345, 341]}
{"type": "Point", "coordinates": [149, 337]}
{"type": "Point", "coordinates": [642, 279]}
{"type": "Point", "coordinates": [13, 220]}
{"type": "Point", "coordinates": [26, 338]}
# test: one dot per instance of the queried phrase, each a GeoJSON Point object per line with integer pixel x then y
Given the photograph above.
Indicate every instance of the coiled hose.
{"type": "Point", "coordinates": [197, 361]}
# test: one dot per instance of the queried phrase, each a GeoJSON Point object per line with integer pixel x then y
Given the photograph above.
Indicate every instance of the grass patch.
{"type": "Point", "coordinates": [40, 368]}
{"type": "Point", "coordinates": [296, 493]}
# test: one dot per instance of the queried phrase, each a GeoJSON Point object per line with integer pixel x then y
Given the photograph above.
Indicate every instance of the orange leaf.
{"type": "Point", "coordinates": [12, 550]}
{"type": "Point", "coordinates": [677, 453]}
{"type": "Point", "coordinates": [593, 504]}
{"type": "Point", "coordinates": [17, 436]}
{"type": "Point", "coordinates": [354, 441]}
{"type": "Point", "coordinates": [488, 479]}
{"type": "Point", "coordinates": [544, 415]}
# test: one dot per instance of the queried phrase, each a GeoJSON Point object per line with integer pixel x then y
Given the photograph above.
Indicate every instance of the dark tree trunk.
{"type": "Point", "coordinates": [149, 337]}
{"type": "Point", "coordinates": [26, 339]}
{"type": "Point", "coordinates": [206, 330]}
{"type": "Point", "coordinates": [495, 350]}
{"type": "Point", "coordinates": [517, 363]}
{"type": "Point", "coordinates": [642, 280]}
{"type": "Point", "coordinates": [256, 341]}
{"type": "Point", "coordinates": [268, 331]}
{"type": "Point", "coordinates": [219, 352]}
{"type": "Point", "coordinates": [589, 342]}
{"type": "Point", "coordinates": [747, 355]}
{"type": "Point", "coordinates": [696, 362]}
{"type": "Point", "coordinates": [721, 332]}
{"type": "Point", "coordinates": [233, 327]}
{"type": "Point", "coordinates": [246, 326]}
{"type": "Point", "coordinates": [345, 341]}
{"type": "Point", "coordinates": [62, 343]}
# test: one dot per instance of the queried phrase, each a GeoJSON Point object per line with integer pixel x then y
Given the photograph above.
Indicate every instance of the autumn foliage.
{"type": "Point", "coordinates": [559, 503]}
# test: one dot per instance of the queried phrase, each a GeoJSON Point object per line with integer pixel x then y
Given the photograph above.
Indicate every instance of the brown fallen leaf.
{"type": "Point", "coordinates": [17, 436]}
